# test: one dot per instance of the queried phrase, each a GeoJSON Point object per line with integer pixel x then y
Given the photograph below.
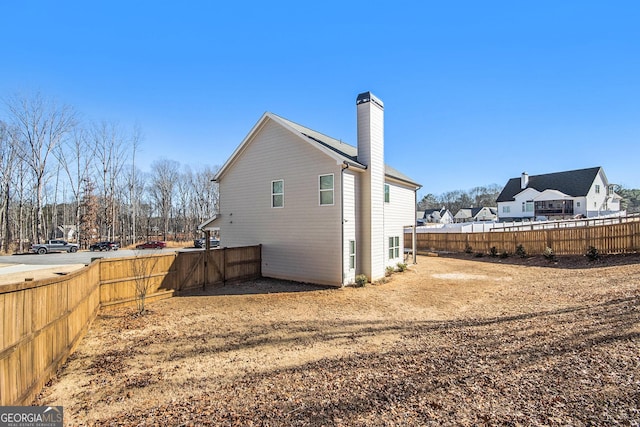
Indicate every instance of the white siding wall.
{"type": "Point", "coordinates": [371, 153]}
{"type": "Point", "coordinates": [516, 206]}
{"type": "Point", "coordinates": [301, 241]}
{"type": "Point", "coordinates": [595, 201]}
{"type": "Point", "coordinates": [349, 225]}
{"type": "Point", "coordinates": [398, 213]}
{"type": "Point", "coordinates": [582, 209]}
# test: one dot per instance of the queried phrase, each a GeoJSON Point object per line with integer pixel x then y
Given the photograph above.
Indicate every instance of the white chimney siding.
{"type": "Point", "coordinates": [524, 180]}
{"type": "Point", "coordinates": [370, 117]}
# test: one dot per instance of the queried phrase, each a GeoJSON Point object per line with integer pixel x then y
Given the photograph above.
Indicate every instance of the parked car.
{"type": "Point", "coordinates": [105, 246]}
{"type": "Point", "coordinates": [154, 244]}
{"type": "Point", "coordinates": [200, 243]}
{"type": "Point", "coordinates": [54, 246]}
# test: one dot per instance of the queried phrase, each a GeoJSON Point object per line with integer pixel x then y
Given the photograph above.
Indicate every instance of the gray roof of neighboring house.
{"type": "Point", "coordinates": [574, 183]}
{"type": "Point", "coordinates": [348, 152]}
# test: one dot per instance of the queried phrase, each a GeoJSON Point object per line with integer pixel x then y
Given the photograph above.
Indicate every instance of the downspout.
{"type": "Point", "coordinates": [345, 165]}
{"type": "Point", "coordinates": [414, 228]}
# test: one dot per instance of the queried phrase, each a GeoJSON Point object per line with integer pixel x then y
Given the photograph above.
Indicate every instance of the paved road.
{"type": "Point", "coordinates": [82, 257]}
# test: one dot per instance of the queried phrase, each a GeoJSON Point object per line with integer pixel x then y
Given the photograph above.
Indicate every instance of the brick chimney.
{"type": "Point", "coordinates": [370, 112]}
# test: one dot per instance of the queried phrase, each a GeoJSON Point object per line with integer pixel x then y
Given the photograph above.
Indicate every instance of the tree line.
{"type": "Point", "coordinates": [481, 196]}
{"type": "Point", "coordinates": [60, 174]}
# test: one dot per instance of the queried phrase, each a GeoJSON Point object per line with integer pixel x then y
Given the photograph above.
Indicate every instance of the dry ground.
{"type": "Point", "coordinates": [449, 342]}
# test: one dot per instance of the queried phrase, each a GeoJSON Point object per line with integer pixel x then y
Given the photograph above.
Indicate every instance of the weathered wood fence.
{"type": "Point", "coordinates": [44, 320]}
{"type": "Point", "coordinates": [607, 239]}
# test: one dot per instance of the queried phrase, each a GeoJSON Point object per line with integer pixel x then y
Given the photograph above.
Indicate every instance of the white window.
{"type": "Point", "coordinates": [597, 189]}
{"type": "Point", "coordinates": [529, 207]}
{"type": "Point", "coordinates": [326, 190]}
{"type": "Point", "coordinates": [394, 247]}
{"type": "Point", "coordinates": [277, 194]}
{"type": "Point", "coordinates": [506, 209]}
{"type": "Point", "coordinates": [386, 193]}
{"type": "Point", "coordinates": [578, 204]}
{"type": "Point", "coordinates": [352, 254]}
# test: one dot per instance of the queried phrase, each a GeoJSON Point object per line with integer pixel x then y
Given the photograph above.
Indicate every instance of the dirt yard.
{"type": "Point", "coordinates": [461, 341]}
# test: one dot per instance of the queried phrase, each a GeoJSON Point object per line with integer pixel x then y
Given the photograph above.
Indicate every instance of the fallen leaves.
{"type": "Point", "coordinates": [563, 352]}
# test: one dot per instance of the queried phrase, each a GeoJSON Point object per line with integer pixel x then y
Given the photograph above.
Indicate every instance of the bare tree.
{"type": "Point", "coordinates": [206, 194]}
{"type": "Point", "coordinates": [143, 267]}
{"type": "Point", "coordinates": [88, 214]}
{"type": "Point", "coordinates": [41, 125]}
{"type": "Point", "coordinates": [8, 158]}
{"type": "Point", "coordinates": [75, 157]}
{"type": "Point", "coordinates": [133, 183]}
{"type": "Point", "coordinates": [109, 148]}
{"type": "Point", "coordinates": [164, 175]}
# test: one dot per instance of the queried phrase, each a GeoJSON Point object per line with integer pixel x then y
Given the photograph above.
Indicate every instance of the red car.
{"type": "Point", "coordinates": [151, 245]}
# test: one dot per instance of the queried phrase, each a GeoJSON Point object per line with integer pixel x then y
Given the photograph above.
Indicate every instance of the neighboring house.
{"type": "Point", "coordinates": [583, 192]}
{"type": "Point", "coordinates": [324, 211]}
{"type": "Point", "coordinates": [476, 214]}
{"type": "Point", "coordinates": [437, 216]}
{"type": "Point", "coordinates": [65, 232]}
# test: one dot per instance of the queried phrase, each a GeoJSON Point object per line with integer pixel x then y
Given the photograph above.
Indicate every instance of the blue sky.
{"type": "Point", "coordinates": [475, 92]}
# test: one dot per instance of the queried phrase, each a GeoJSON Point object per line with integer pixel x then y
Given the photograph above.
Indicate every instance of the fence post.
{"type": "Point", "coordinates": [224, 266]}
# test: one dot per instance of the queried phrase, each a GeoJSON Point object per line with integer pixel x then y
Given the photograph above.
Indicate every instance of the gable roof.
{"type": "Point", "coordinates": [341, 151]}
{"type": "Point", "coordinates": [575, 183]}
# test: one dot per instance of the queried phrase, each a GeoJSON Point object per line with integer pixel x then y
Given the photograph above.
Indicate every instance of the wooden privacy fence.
{"type": "Point", "coordinates": [607, 239]}
{"type": "Point", "coordinates": [43, 321]}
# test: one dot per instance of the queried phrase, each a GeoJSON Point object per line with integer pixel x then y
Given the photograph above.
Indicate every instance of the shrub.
{"type": "Point", "coordinates": [468, 249]}
{"type": "Point", "coordinates": [389, 271]}
{"type": "Point", "coordinates": [592, 253]}
{"type": "Point", "coordinates": [479, 255]}
{"type": "Point", "coordinates": [493, 251]}
{"type": "Point", "coordinates": [549, 254]}
{"type": "Point", "coordinates": [520, 251]}
{"type": "Point", "coordinates": [361, 280]}
{"type": "Point", "coordinates": [401, 266]}
{"type": "Point", "coordinates": [504, 255]}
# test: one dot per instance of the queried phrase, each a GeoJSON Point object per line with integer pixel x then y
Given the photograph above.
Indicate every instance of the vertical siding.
{"type": "Point", "coordinates": [300, 241]}
{"type": "Point", "coordinates": [398, 213]}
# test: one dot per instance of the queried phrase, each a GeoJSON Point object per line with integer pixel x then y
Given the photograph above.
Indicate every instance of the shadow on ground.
{"type": "Point", "coordinates": [255, 287]}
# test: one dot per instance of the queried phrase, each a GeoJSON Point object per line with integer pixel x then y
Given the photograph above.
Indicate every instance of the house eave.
{"type": "Point", "coordinates": [208, 224]}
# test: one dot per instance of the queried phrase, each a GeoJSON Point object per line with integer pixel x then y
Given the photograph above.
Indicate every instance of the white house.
{"type": "Point", "coordinates": [436, 216]}
{"type": "Point", "coordinates": [476, 214]}
{"type": "Point", "coordinates": [583, 192]}
{"type": "Point", "coordinates": [324, 211]}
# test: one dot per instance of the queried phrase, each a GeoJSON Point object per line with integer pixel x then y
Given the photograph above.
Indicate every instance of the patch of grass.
{"type": "Point", "coordinates": [361, 280]}
{"type": "Point", "coordinates": [592, 253]}
{"type": "Point", "coordinates": [549, 254]}
{"type": "Point", "coordinates": [389, 271]}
